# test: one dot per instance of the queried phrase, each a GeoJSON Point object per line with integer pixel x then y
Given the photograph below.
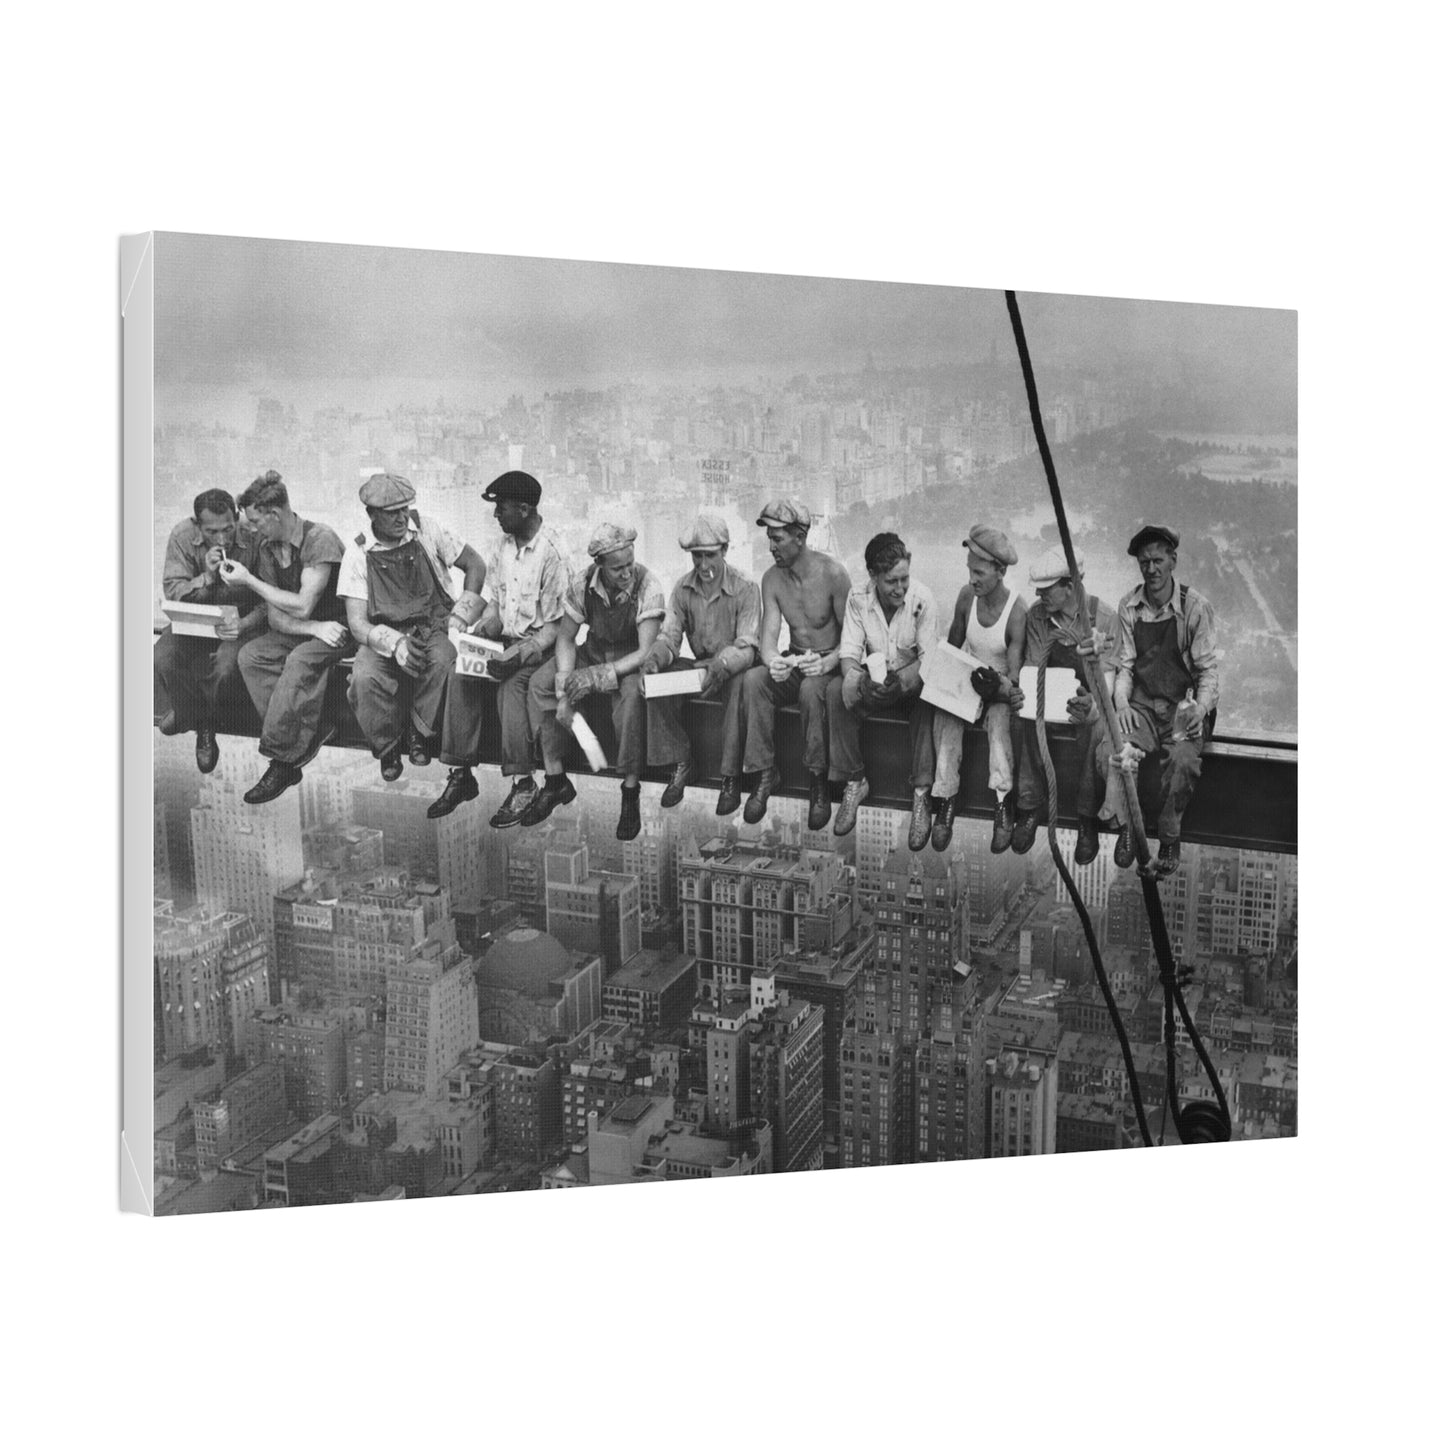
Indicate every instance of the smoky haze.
{"type": "Point", "coordinates": [244, 312]}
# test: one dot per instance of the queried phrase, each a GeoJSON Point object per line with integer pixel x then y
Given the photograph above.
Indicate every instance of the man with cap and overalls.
{"type": "Point", "coordinates": [527, 576]}
{"type": "Point", "coordinates": [622, 604]}
{"type": "Point", "coordinates": [809, 590]}
{"type": "Point", "coordinates": [287, 668]}
{"type": "Point", "coordinates": [397, 586]}
{"type": "Point", "coordinates": [719, 610]}
{"type": "Point", "coordinates": [200, 673]}
{"type": "Point", "coordinates": [892, 617]}
{"type": "Point", "coordinates": [1053, 635]}
{"type": "Point", "coordinates": [1166, 689]}
{"type": "Point", "coordinates": [988, 623]}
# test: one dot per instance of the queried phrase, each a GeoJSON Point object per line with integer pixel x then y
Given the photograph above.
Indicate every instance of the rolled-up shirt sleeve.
{"type": "Point", "coordinates": [669, 637]}
{"type": "Point", "coordinates": [1203, 653]}
{"type": "Point", "coordinates": [351, 580]}
{"type": "Point", "coordinates": [739, 654]}
{"type": "Point", "coordinates": [652, 603]}
{"type": "Point", "coordinates": [853, 644]}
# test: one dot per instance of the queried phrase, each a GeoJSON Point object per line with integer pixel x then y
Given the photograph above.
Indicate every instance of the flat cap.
{"type": "Point", "coordinates": [1052, 567]}
{"type": "Point", "coordinates": [386, 490]}
{"type": "Point", "coordinates": [514, 487]}
{"type": "Point", "coordinates": [991, 544]}
{"type": "Point", "coordinates": [609, 537]}
{"type": "Point", "coordinates": [705, 530]}
{"type": "Point", "coordinates": [1154, 532]}
{"type": "Point", "coordinates": [785, 513]}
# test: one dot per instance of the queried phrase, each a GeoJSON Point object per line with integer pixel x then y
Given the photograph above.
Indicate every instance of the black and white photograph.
{"type": "Point", "coordinates": [621, 724]}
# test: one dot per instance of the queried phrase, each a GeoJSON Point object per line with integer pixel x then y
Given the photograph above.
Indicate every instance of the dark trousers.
{"type": "Point", "coordinates": [286, 677]}
{"type": "Point", "coordinates": [762, 697]}
{"type": "Point", "coordinates": [1182, 762]}
{"type": "Point", "coordinates": [629, 718]}
{"type": "Point", "coordinates": [847, 707]}
{"type": "Point", "coordinates": [462, 721]}
{"type": "Point", "coordinates": [1033, 792]}
{"type": "Point", "coordinates": [198, 673]}
{"type": "Point", "coordinates": [381, 691]}
{"type": "Point", "coordinates": [667, 742]}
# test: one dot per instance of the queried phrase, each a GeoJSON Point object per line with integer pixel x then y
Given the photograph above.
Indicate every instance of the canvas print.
{"type": "Point", "coordinates": [622, 724]}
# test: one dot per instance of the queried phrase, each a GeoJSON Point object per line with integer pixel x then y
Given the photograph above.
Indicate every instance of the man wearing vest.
{"type": "Point", "coordinates": [287, 668]}
{"type": "Point", "coordinates": [1166, 689]}
{"type": "Point", "coordinates": [1052, 637]}
{"type": "Point", "coordinates": [988, 623]}
{"type": "Point", "coordinates": [622, 604]}
{"type": "Point", "coordinates": [397, 586]}
{"type": "Point", "coordinates": [527, 577]}
{"type": "Point", "coordinates": [200, 673]}
{"type": "Point", "coordinates": [719, 611]}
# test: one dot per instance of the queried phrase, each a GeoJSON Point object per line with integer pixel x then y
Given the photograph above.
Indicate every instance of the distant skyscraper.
{"type": "Point", "coordinates": [1022, 1102]}
{"type": "Point", "coordinates": [992, 881]}
{"type": "Point", "coordinates": [589, 910]}
{"type": "Point", "coordinates": [922, 938]}
{"type": "Point", "coordinates": [875, 1122]}
{"type": "Point", "coordinates": [211, 970]}
{"type": "Point", "coordinates": [431, 1018]}
{"type": "Point", "coordinates": [879, 834]}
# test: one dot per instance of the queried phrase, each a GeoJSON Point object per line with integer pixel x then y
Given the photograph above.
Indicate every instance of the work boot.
{"type": "Point", "coordinates": [1087, 847]}
{"type": "Point", "coordinates": [1003, 825]}
{"type": "Point", "coordinates": [730, 796]}
{"type": "Point", "coordinates": [390, 762]}
{"type": "Point", "coordinates": [1124, 848]}
{"type": "Point", "coordinates": [208, 754]}
{"type": "Point", "coordinates": [757, 803]}
{"type": "Point", "coordinates": [274, 781]}
{"type": "Point", "coordinates": [1168, 858]}
{"type": "Point", "coordinates": [943, 823]}
{"type": "Point", "coordinates": [557, 791]}
{"type": "Point", "coordinates": [418, 748]}
{"type": "Point", "coordinates": [629, 821]}
{"type": "Point", "coordinates": [170, 725]}
{"type": "Point", "coordinates": [682, 775]}
{"type": "Point", "coordinates": [509, 815]}
{"type": "Point", "coordinates": [1026, 826]}
{"type": "Point", "coordinates": [921, 821]}
{"type": "Point", "coordinates": [461, 788]}
{"type": "Point", "coordinates": [820, 805]}
{"type": "Point", "coordinates": [853, 795]}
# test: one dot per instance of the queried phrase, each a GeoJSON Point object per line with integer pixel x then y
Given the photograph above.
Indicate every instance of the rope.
{"type": "Point", "coordinates": [1078, 902]}
{"type": "Point", "coordinates": [1153, 908]}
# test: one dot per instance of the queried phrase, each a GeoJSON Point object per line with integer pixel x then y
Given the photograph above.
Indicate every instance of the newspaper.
{"type": "Point", "coordinates": [946, 672]}
{"type": "Point", "coordinates": [1060, 684]}
{"type": "Point", "coordinates": [474, 653]}
{"type": "Point", "coordinates": [198, 619]}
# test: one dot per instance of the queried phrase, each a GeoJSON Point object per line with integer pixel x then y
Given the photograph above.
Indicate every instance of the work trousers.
{"type": "Point", "coordinates": [198, 673]}
{"type": "Point", "coordinates": [380, 691]}
{"type": "Point", "coordinates": [761, 697]}
{"type": "Point", "coordinates": [462, 721]}
{"type": "Point", "coordinates": [667, 742]}
{"type": "Point", "coordinates": [1182, 763]}
{"type": "Point", "coordinates": [629, 718]}
{"type": "Point", "coordinates": [1033, 791]}
{"type": "Point", "coordinates": [948, 741]}
{"type": "Point", "coordinates": [286, 677]}
{"type": "Point", "coordinates": [847, 707]}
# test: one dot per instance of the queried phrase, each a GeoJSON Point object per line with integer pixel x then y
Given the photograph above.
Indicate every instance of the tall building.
{"type": "Point", "coordinates": [177, 790]}
{"type": "Point", "coordinates": [325, 790]}
{"type": "Point", "coordinates": [785, 1076]}
{"type": "Point", "coordinates": [211, 977]}
{"type": "Point", "coordinates": [1240, 901]}
{"type": "Point", "coordinates": [528, 1106]}
{"type": "Point", "coordinates": [243, 855]}
{"type": "Point", "coordinates": [589, 910]}
{"type": "Point", "coordinates": [1092, 881]}
{"type": "Point", "coordinates": [341, 940]}
{"type": "Point", "coordinates": [431, 1017]}
{"type": "Point", "coordinates": [875, 1125]}
{"type": "Point", "coordinates": [239, 1113]}
{"type": "Point", "coordinates": [526, 869]}
{"type": "Point", "coordinates": [879, 834]}
{"type": "Point", "coordinates": [343, 848]}
{"type": "Point", "coordinates": [921, 918]}
{"type": "Point", "coordinates": [311, 1050]}
{"type": "Point", "coordinates": [652, 859]}
{"type": "Point", "coordinates": [743, 906]}
{"type": "Point", "coordinates": [1022, 1102]}
{"type": "Point", "coordinates": [992, 882]}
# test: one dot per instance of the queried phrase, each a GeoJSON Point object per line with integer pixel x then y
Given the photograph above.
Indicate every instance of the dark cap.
{"type": "Point", "coordinates": [1154, 532]}
{"type": "Point", "coordinates": [514, 487]}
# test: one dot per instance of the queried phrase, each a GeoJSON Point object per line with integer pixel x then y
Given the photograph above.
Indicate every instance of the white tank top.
{"type": "Point", "coordinates": [989, 644]}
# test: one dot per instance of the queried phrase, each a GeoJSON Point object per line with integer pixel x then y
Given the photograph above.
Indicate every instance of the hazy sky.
{"type": "Point", "coordinates": [235, 311]}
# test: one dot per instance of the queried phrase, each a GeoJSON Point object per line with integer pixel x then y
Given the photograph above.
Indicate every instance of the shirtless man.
{"type": "Point", "coordinates": [988, 622]}
{"type": "Point", "coordinates": [810, 591]}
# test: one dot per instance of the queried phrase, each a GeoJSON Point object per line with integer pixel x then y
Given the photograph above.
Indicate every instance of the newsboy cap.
{"type": "Point", "coordinates": [1052, 567]}
{"type": "Point", "coordinates": [1154, 532]}
{"type": "Point", "coordinates": [609, 537]}
{"type": "Point", "coordinates": [705, 530]}
{"type": "Point", "coordinates": [386, 490]}
{"type": "Point", "coordinates": [514, 487]}
{"type": "Point", "coordinates": [784, 513]}
{"type": "Point", "coordinates": [991, 544]}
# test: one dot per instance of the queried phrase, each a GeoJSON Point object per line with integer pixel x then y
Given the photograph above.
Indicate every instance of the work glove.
{"type": "Point", "coordinates": [1081, 706]}
{"type": "Point", "coordinates": [715, 675]}
{"type": "Point", "coordinates": [988, 684]}
{"type": "Point", "coordinates": [503, 666]}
